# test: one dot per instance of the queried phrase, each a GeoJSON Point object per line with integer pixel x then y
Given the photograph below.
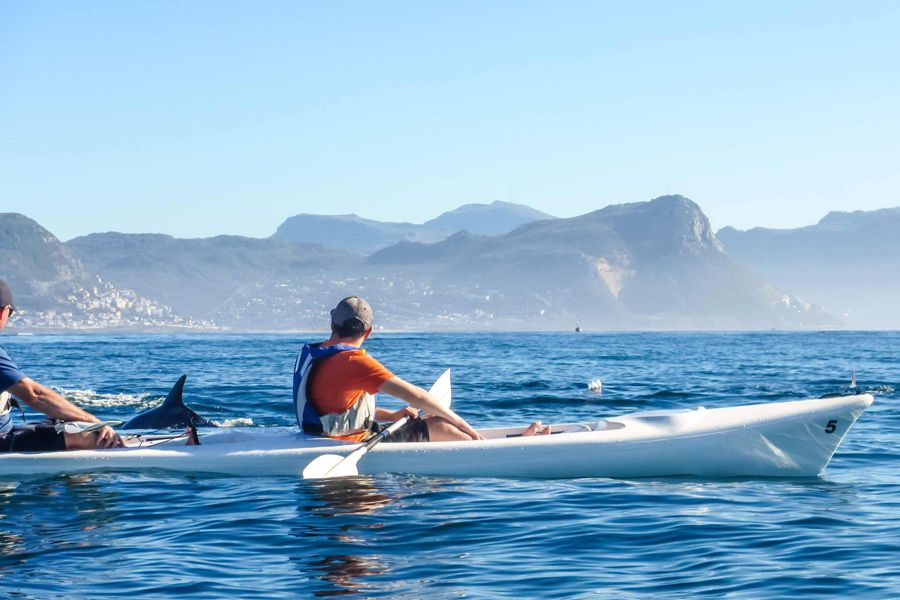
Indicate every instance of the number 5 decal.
{"type": "Point", "coordinates": [832, 425]}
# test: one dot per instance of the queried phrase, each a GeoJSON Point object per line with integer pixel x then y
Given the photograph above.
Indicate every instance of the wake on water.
{"type": "Point", "coordinates": [140, 402]}
{"type": "Point", "coordinates": [236, 422]}
{"type": "Point", "coordinates": [88, 397]}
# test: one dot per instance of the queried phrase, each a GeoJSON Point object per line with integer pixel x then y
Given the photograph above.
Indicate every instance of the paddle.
{"type": "Point", "coordinates": [83, 426]}
{"type": "Point", "coordinates": [442, 390]}
{"type": "Point", "coordinates": [335, 465]}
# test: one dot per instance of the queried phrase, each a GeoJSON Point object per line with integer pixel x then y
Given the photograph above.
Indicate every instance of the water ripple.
{"type": "Point", "coordinates": [158, 535]}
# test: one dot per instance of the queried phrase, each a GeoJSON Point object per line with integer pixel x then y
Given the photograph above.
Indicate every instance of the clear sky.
{"type": "Point", "coordinates": [200, 118]}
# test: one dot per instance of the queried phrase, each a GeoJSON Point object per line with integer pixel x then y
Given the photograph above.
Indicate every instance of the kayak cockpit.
{"type": "Point", "coordinates": [556, 428]}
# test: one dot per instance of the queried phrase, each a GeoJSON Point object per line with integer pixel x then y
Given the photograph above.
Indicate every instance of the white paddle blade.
{"type": "Point", "coordinates": [345, 468]}
{"type": "Point", "coordinates": [334, 465]}
{"type": "Point", "coordinates": [320, 467]}
{"type": "Point", "coordinates": [442, 390]}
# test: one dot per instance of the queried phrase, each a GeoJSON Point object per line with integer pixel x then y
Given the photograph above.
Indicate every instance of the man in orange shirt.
{"type": "Point", "coordinates": [335, 382]}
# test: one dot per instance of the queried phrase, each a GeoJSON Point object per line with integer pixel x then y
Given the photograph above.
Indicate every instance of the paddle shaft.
{"type": "Point", "coordinates": [385, 433]}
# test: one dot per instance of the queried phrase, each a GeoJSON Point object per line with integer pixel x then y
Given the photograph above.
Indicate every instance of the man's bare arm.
{"type": "Point", "coordinates": [45, 400]}
{"type": "Point", "coordinates": [419, 398]}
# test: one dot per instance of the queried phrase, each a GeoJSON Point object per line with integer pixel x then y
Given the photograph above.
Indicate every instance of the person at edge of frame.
{"type": "Point", "coordinates": [41, 437]}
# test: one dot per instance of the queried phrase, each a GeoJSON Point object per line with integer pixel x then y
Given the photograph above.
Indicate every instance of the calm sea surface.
{"type": "Point", "coordinates": [163, 535]}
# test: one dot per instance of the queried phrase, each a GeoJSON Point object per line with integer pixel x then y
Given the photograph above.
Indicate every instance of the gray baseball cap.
{"type": "Point", "coordinates": [350, 308]}
{"type": "Point", "coordinates": [6, 295]}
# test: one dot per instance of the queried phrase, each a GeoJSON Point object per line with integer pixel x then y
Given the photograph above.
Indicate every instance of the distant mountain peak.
{"type": "Point", "coordinates": [496, 218]}
{"type": "Point", "coordinates": [366, 236]}
{"type": "Point", "coordinates": [676, 198]}
{"type": "Point", "coordinates": [33, 253]}
{"type": "Point", "coordinates": [858, 219]}
{"type": "Point", "coordinates": [671, 221]}
{"type": "Point", "coordinates": [496, 204]}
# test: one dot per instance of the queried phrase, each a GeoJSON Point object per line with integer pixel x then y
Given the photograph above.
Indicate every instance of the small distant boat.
{"type": "Point", "coordinates": [577, 328]}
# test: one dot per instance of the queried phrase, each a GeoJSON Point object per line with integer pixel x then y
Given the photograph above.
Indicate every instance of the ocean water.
{"type": "Point", "coordinates": [396, 536]}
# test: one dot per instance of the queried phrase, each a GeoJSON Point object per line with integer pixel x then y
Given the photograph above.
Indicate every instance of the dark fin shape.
{"type": "Point", "coordinates": [171, 414]}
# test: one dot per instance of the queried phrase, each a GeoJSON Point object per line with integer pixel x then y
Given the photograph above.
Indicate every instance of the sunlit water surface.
{"type": "Point", "coordinates": [395, 536]}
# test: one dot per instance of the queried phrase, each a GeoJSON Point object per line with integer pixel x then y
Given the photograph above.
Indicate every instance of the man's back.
{"type": "Point", "coordinates": [337, 382]}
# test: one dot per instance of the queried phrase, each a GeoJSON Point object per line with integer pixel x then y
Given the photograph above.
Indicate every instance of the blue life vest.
{"type": "Point", "coordinates": [355, 419]}
{"type": "Point", "coordinates": [5, 413]}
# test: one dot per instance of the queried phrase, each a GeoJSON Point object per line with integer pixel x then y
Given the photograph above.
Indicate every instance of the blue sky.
{"type": "Point", "coordinates": [201, 118]}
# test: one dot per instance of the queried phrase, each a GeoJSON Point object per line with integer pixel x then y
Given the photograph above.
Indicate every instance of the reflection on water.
{"type": "Point", "coordinates": [10, 542]}
{"type": "Point", "coordinates": [326, 509]}
{"type": "Point", "coordinates": [346, 495]}
{"type": "Point", "coordinates": [43, 515]}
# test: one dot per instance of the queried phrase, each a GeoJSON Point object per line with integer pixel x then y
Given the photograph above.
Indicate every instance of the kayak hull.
{"type": "Point", "coordinates": [783, 439]}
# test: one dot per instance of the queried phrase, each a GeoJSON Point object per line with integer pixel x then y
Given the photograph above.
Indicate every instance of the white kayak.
{"type": "Point", "coordinates": [780, 439]}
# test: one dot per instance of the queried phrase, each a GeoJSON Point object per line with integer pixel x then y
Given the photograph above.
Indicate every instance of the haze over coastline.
{"type": "Point", "coordinates": [653, 265]}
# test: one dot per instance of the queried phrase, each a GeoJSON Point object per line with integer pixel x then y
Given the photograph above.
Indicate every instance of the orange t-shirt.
{"type": "Point", "coordinates": [338, 381]}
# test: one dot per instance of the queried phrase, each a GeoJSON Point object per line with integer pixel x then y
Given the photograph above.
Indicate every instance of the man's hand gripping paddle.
{"type": "Point", "coordinates": [335, 465]}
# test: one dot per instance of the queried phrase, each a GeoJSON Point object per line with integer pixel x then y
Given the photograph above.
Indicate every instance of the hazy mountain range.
{"type": "Point", "coordinates": [355, 234]}
{"type": "Point", "coordinates": [849, 263]}
{"type": "Point", "coordinates": [642, 265]}
{"type": "Point", "coordinates": [645, 265]}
